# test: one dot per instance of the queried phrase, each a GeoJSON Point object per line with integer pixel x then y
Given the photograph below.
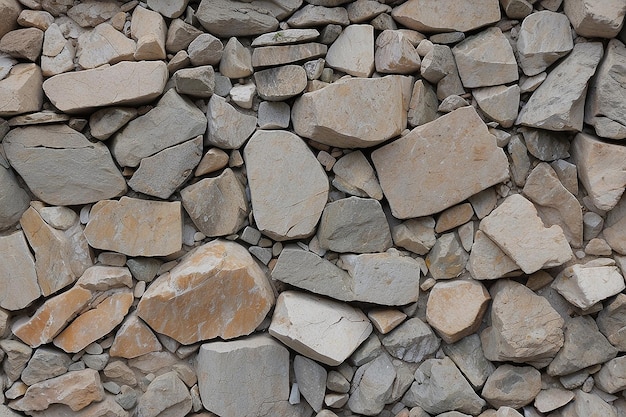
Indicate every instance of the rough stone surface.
{"type": "Point", "coordinates": [477, 166]}
{"type": "Point", "coordinates": [588, 284]}
{"type": "Point", "coordinates": [142, 227]}
{"type": "Point", "coordinates": [593, 19]}
{"type": "Point", "coordinates": [291, 209]}
{"type": "Point", "coordinates": [280, 83]}
{"type": "Point", "coordinates": [134, 338]}
{"type": "Point", "coordinates": [412, 341]}
{"type": "Point", "coordinates": [166, 394]}
{"type": "Point", "coordinates": [105, 86]}
{"type": "Point", "coordinates": [311, 378]}
{"type": "Point", "coordinates": [355, 175]}
{"type": "Point", "coordinates": [225, 18]}
{"type": "Point", "coordinates": [487, 260]}
{"type": "Point", "coordinates": [18, 276]}
{"type": "Point", "coordinates": [227, 127]}
{"type": "Point", "coordinates": [221, 279]}
{"type": "Point", "coordinates": [374, 388]}
{"type": "Point", "coordinates": [339, 331]}
{"type": "Point", "coordinates": [353, 51]}
{"type": "Point", "coordinates": [512, 386]}
{"type": "Point", "coordinates": [69, 168]}
{"type": "Point", "coordinates": [318, 115]}
{"type": "Point", "coordinates": [20, 91]}
{"type": "Point", "coordinates": [468, 356]}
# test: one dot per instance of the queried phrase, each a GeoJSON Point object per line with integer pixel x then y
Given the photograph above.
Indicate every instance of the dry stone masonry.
{"type": "Point", "coordinates": [297, 208]}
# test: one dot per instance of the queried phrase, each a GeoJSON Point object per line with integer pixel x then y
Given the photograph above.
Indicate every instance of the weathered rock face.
{"type": "Point", "coordinates": [225, 18]}
{"type": "Point", "coordinates": [317, 115]}
{"type": "Point", "coordinates": [70, 169]}
{"type": "Point", "coordinates": [21, 90]}
{"type": "Point", "coordinates": [400, 164]}
{"type": "Point", "coordinates": [17, 274]}
{"type": "Point", "coordinates": [433, 16]}
{"type": "Point", "coordinates": [219, 278]}
{"type": "Point", "coordinates": [292, 209]}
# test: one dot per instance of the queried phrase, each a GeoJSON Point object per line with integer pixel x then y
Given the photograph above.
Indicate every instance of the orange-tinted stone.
{"type": "Point", "coordinates": [134, 338]}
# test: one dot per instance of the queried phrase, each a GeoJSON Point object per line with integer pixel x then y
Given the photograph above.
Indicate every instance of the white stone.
{"type": "Point", "coordinates": [586, 285]}
{"type": "Point", "coordinates": [353, 51]}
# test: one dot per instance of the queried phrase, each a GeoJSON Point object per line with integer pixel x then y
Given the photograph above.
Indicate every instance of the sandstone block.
{"type": "Point", "coordinates": [18, 277]}
{"type": "Point", "coordinates": [148, 28]}
{"type": "Point", "coordinates": [512, 386]}
{"type": "Point", "coordinates": [20, 92]}
{"type": "Point", "coordinates": [353, 51]}
{"type": "Point", "coordinates": [500, 103]}
{"type": "Point", "coordinates": [435, 16]}
{"type": "Point", "coordinates": [166, 394]}
{"type": "Point", "coordinates": [266, 56]}
{"type": "Point", "coordinates": [476, 166]}
{"type": "Point", "coordinates": [236, 60]}
{"type": "Point", "coordinates": [134, 338]}
{"type": "Point", "coordinates": [355, 175]}
{"type": "Point", "coordinates": [595, 20]}
{"type": "Point", "coordinates": [144, 228]}
{"type": "Point", "coordinates": [395, 54]}
{"type": "Point", "coordinates": [280, 83]}
{"type": "Point", "coordinates": [23, 43]}
{"type": "Point", "coordinates": [290, 207]}
{"type": "Point", "coordinates": [197, 81]}
{"type": "Point", "coordinates": [219, 278]}
{"type": "Point", "coordinates": [487, 260]}
{"type": "Point", "coordinates": [104, 45]}
{"type": "Point", "coordinates": [75, 92]}
{"type": "Point", "coordinates": [412, 341]}
{"type": "Point", "coordinates": [338, 330]}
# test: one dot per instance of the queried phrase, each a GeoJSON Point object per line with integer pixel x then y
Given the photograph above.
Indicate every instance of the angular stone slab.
{"type": "Point", "coordinates": [410, 169]}
{"type": "Point", "coordinates": [128, 82]}
{"type": "Point", "coordinates": [141, 227]}
{"type": "Point", "coordinates": [337, 330]}
{"type": "Point", "coordinates": [18, 278]}
{"type": "Point", "coordinates": [220, 279]}
{"type": "Point", "coordinates": [517, 229]}
{"type": "Point", "coordinates": [447, 15]}
{"type": "Point", "coordinates": [320, 115]}
{"type": "Point", "coordinates": [14, 200]}
{"type": "Point", "coordinates": [290, 206]}
{"type": "Point", "coordinates": [586, 285]}
{"type": "Point", "coordinates": [226, 18]}
{"type": "Point", "coordinates": [243, 378]}
{"type": "Point", "coordinates": [61, 166]}
{"type": "Point", "coordinates": [21, 91]}
{"type": "Point", "coordinates": [568, 81]}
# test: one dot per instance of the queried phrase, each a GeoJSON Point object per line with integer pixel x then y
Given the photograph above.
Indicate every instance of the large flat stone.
{"type": "Point", "coordinates": [336, 332]}
{"type": "Point", "coordinates": [21, 91]}
{"type": "Point", "coordinates": [225, 18]}
{"type": "Point", "coordinates": [18, 277]}
{"type": "Point", "coordinates": [220, 279]}
{"type": "Point", "coordinates": [320, 115]}
{"type": "Point", "coordinates": [410, 169]}
{"type": "Point", "coordinates": [61, 166]}
{"type": "Point", "coordinates": [447, 15]}
{"type": "Point", "coordinates": [142, 227]}
{"type": "Point", "coordinates": [129, 83]}
{"type": "Point", "coordinates": [289, 206]}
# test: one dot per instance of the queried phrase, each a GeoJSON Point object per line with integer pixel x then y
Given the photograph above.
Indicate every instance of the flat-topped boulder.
{"type": "Point", "coordinates": [75, 92]}
{"type": "Point", "coordinates": [447, 15]}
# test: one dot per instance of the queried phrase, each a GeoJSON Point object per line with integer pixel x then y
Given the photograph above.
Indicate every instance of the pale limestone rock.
{"type": "Point", "coordinates": [228, 128]}
{"type": "Point", "coordinates": [226, 18]}
{"type": "Point", "coordinates": [337, 331]}
{"type": "Point", "coordinates": [52, 317]}
{"type": "Point", "coordinates": [517, 229]}
{"type": "Point", "coordinates": [612, 376]}
{"type": "Point", "coordinates": [486, 59]}
{"type": "Point", "coordinates": [468, 356]}
{"type": "Point", "coordinates": [319, 116]}
{"type": "Point", "coordinates": [217, 206]}
{"type": "Point", "coordinates": [395, 54]}
{"type": "Point", "coordinates": [60, 256]}
{"type": "Point", "coordinates": [364, 10]}
{"type": "Point", "coordinates": [104, 45]}
{"type": "Point", "coordinates": [385, 320]}
{"type": "Point", "coordinates": [439, 67]}
{"type": "Point", "coordinates": [23, 43]}
{"type": "Point", "coordinates": [17, 357]}
{"type": "Point", "coordinates": [69, 168]}
{"type": "Point", "coordinates": [104, 123]}
{"type": "Point", "coordinates": [512, 386]}
{"type": "Point", "coordinates": [487, 261]}
{"type": "Point", "coordinates": [552, 398]}
{"type": "Point", "coordinates": [614, 227]}
{"type": "Point", "coordinates": [453, 217]}
{"type": "Point", "coordinates": [447, 258]}
{"type": "Point", "coordinates": [601, 169]}
{"type": "Point", "coordinates": [179, 35]}
{"type": "Point", "coordinates": [354, 225]}
{"type": "Point", "coordinates": [291, 207]}
{"type": "Point", "coordinates": [45, 363]}
{"type": "Point", "coordinates": [266, 56]}
{"type": "Point", "coordinates": [20, 91]}
{"type": "Point", "coordinates": [148, 28]}
{"type": "Point", "coordinates": [168, 8]}
{"type": "Point", "coordinates": [205, 49]}
{"type": "Point", "coordinates": [312, 16]}
{"type": "Point", "coordinates": [439, 387]}
{"type": "Point", "coordinates": [280, 83]}
{"type": "Point", "coordinates": [423, 105]}
{"type": "Point", "coordinates": [604, 105]}
{"type": "Point", "coordinates": [174, 120]}
{"type": "Point", "coordinates": [10, 9]}
{"type": "Point", "coordinates": [243, 378]}
{"type": "Point", "coordinates": [311, 379]}
{"type": "Point", "coordinates": [371, 392]}
{"type": "Point", "coordinates": [412, 341]}
{"type": "Point", "coordinates": [524, 326]}
{"type": "Point", "coordinates": [197, 81]}
{"type": "Point", "coordinates": [416, 235]}
{"type": "Point", "coordinates": [595, 19]}
{"type": "Point", "coordinates": [17, 273]}
{"type": "Point", "coordinates": [92, 13]}
{"type": "Point", "coordinates": [236, 60]}
{"type": "Point", "coordinates": [586, 285]}
{"type": "Point", "coordinates": [286, 36]}
{"type": "Point", "coordinates": [353, 51]}
{"type": "Point", "coordinates": [449, 15]}
{"type": "Point", "coordinates": [569, 81]}
{"type": "Point", "coordinates": [500, 103]}
{"type": "Point", "coordinates": [105, 86]}
{"type": "Point", "coordinates": [60, 63]}
{"type": "Point", "coordinates": [221, 279]}
{"type": "Point", "coordinates": [13, 199]}
{"type": "Point", "coordinates": [355, 175]}
{"type": "Point", "coordinates": [455, 308]}
{"type": "Point", "coordinates": [544, 37]}
{"type": "Point", "coordinates": [383, 278]}
{"type": "Point", "coordinates": [103, 278]}
{"type": "Point", "coordinates": [243, 94]}
{"type": "Point", "coordinates": [142, 227]}
{"type": "Point", "coordinates": [166, 395]}
{"type": "Point", "coordinates": [555, 204]}
{"type": "Point", "coordinates": [6, 63]}
{"type": "Point", "coordinates": [476, 166]}
{"type": "Point", "coordinates": [75, 389]}
{"type": "Point", "coordinates": [95, 323]}
{"type": "Point", "coordinates": [213, 160]}
{"type": "Point", "coordinates": [161, 174]}
{"type": "Point", "coordinates": [584, 346]}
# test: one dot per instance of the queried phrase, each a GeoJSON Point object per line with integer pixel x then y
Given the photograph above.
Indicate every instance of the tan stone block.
{"type": "Point", "coordinates": [21, 91]}
{"type": "Point", "coordinates": [133, 339]}
{"type": "Point", "coordinates": [18, 278]}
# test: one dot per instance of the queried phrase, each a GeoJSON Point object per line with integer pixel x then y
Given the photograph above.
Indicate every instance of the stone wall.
{"type": "Point", "coordinates": [330, 207]}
